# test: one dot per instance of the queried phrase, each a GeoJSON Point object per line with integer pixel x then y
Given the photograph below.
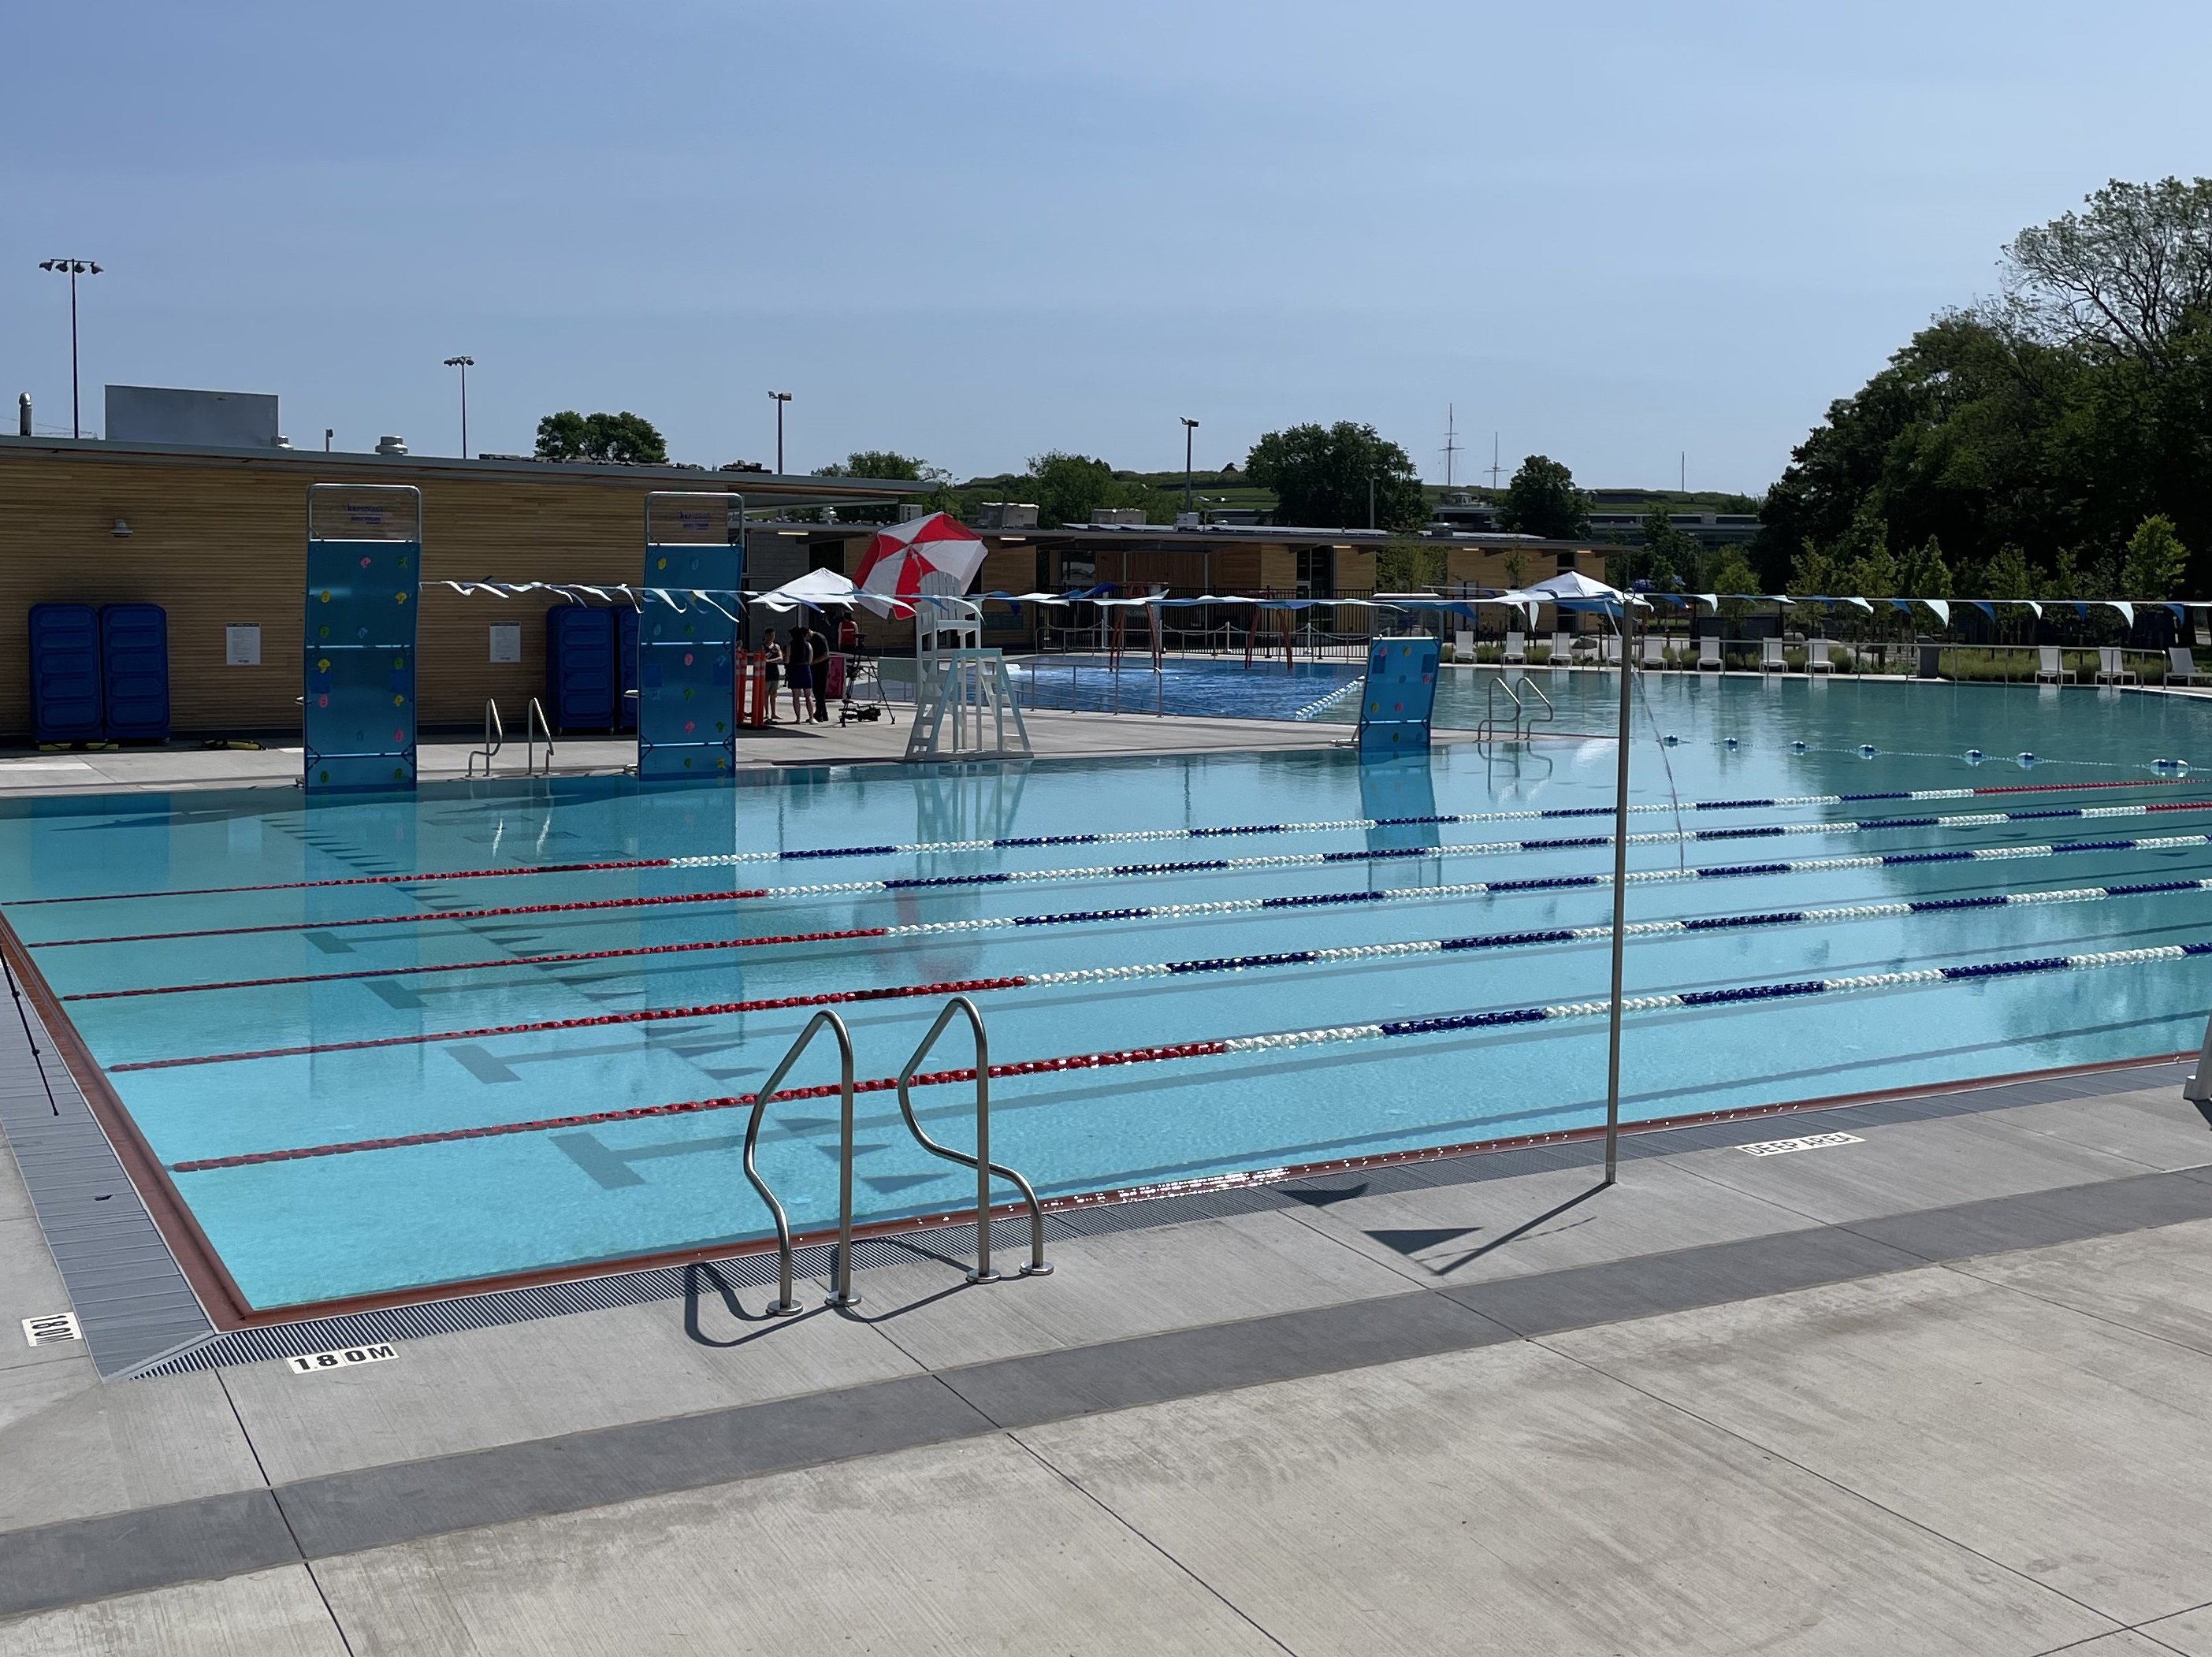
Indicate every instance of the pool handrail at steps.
{"type": "Point", "coordinates": [981, 1161]}
{"type": "Point", "coordinates": [494, 738]}
{"type": "Point", "coordinates": [785, 1304]}
{"type": "Point", "coordinates": [1522, 718]}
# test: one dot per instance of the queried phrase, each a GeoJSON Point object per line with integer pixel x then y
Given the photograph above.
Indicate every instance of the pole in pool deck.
{"type": "Point", "coordinates": [2197, 1089]}
{"type": "Point", "coordinates": [1620, 898]}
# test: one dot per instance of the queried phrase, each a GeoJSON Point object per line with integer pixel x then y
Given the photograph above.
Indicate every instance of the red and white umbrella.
{"type": "Point", "coordinates": [936, 555]}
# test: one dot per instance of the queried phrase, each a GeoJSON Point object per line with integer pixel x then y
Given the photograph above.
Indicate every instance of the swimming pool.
{"type": "Point", "coordinates": [466, 1059]}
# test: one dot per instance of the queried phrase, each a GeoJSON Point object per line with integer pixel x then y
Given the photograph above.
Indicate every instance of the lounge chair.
{"type": "Point", "coordinates": [2204, 636]}
{"type": "Point", "coordinates": [1608, 647]}
{"type": "Point", "coordinates": [2050, 668]}
{"type": "Point", "coordinates": [1654, 650]}
{"type": "Point", "coordinates": [1563, 645]}
{"type": "Point", "coordinates": [1771, 658]}
{"type": "Point", "coordinates": [1709, 654]}
{"type": "Point", "coordinates": [2112, 668]}
{"type": "Point", "coordinates": [1816, 657]}
{"type": "Point", "coordinates": [1463, 646]}
{"type": "Point", "coordinates": [1516, 647]}
{"type": "Point", "coordinates": [2181, 664]}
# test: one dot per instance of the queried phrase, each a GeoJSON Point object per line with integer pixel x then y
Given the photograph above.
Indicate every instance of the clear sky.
{"type": "Point", "coordinates": [1608, 232]}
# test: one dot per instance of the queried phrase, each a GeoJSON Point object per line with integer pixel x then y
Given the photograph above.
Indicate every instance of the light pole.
{"type": "Point", "coordinates": [76, 268]}
{"type": "Point", "coordinates": [781, 398]}
{"type": "Point", "coordinates": [463, 363]}
{"type": "Point", "coordinates": [1189, 430]}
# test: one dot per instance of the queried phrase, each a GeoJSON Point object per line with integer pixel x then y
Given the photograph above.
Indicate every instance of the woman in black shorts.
{"type": "Point", "coordinates": [774, 655]}
{"type": "Point", "coordinates": [801, 675]}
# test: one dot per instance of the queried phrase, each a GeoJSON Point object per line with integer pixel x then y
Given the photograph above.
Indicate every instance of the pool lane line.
{"type": "Point", "coordinates": [1198, 866]}
{"type": "Point", "coordinates": [1438, 1024]}
{"type": "Point", "coordinates": [1118, 837]}
{"type": "Point", "coordinates": [1225, 907]}
{"type": "Point", "coordinates": [1329, 955]}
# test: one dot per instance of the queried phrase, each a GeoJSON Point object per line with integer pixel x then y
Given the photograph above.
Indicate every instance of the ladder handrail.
{"type": "Point", "coordinates": [785, 1304]}
{"type": "Point", "coordinates": [494, 738]}
{"type": "Point", "coordinates": [536, 713]}
{"type": "Point", "coordinates": [981, 1161]}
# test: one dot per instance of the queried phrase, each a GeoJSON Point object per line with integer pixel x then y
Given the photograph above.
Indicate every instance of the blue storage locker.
{"type": "Point", "coordinates": [582, 669]}
{"type": "Point", "coordinates": [64, 673]}
{"type": "Point", "coordinates": [626, 637]}
{"type": "Point", "coordinates": [134, 658]}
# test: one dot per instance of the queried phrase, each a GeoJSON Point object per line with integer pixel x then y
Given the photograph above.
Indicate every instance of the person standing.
{"type": "Point", "coordinates": [773, 656]}
{"type": "Point", "coordinates": [800, 671]}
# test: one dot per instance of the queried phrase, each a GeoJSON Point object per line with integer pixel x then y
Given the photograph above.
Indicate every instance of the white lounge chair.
{"type": "Point", "coordinates": [1816, 657]}
{"type": "Point", "coordinates": [1654, 650]}
{"type": "Point", "coordinates": [2112, 668]}
{"type": "Point", "coordinates": [2050, 667]}
{"type": "Point", "coordinates": [1463, 646]}
{"type": "Point", "coordinates": [1608, 647]}
{"type": "Point", "coordinates": [2181, 664]}
{"type": "Point", "coordinates": [1771, 658]}
{"type": "Point", "coordinates": [1516, 647]}
{"type": "Point", "coordinates": [1709, 654]}
{"type": "Point", "coordinates": [2205, 635]}
{"type": "Point", "coordinates": [1563, 645]}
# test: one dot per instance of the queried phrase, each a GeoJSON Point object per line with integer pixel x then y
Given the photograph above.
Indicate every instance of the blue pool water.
{"type": "Point", "coordinates": [301, 1230]}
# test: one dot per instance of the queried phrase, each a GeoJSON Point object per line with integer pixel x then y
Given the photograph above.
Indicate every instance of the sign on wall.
{"type": "Point", "coordinates": [241, 644]}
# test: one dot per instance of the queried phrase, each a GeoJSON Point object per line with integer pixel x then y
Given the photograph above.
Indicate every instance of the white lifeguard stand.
{"type": "Point", "coordinates": [964, 702]}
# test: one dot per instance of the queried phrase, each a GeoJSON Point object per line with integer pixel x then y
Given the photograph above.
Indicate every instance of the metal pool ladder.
{"type": "Point", "coordinates": [1522, 718]}
{"type": "Point", "coordinates": [785, 1303]}
{"type": "Point", "coordinates": [981, 1161]}
{"type": "Point", "coordinates": [495, 739]}
{"type": "Point", "coordinates": [533, 722]}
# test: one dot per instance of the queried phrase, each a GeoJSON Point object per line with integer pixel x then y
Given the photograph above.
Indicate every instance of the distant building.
{"type": "Point", "coordinates": [1710, 529]}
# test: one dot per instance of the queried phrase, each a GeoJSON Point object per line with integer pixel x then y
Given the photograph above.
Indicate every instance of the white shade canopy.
{"type": "Point", "coordinates": [819, 587]}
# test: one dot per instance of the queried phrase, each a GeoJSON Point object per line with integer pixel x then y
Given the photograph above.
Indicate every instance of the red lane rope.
{"type": "Point", "coordinates": [503, 960]}
{"type": "Point", "coordinates": [385, 880]}
{"type": "Point", "coordinates": [640, 1112]}
{"type": "Point", "coordinates": [419, 915]}
{"type": "Point", "coordinates": [649, 1016]}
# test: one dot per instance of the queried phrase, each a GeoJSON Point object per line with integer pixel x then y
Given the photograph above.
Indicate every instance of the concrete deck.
{"type": "Point", "coordinates": [1052, 735]}
{"type": "Point", "coordinates": [1942, 1388]}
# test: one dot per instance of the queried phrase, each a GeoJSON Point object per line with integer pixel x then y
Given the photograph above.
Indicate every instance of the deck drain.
{"type": "Point", "coordinates": [1806, 1142]}
{"type": "Point", "coordinates": [52, 1330]}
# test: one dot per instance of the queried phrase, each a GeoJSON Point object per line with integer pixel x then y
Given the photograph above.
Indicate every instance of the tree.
{"type": "Point", "coordinates": [1322, 475]}
{"type": "Point", "coordinates": [2154, 561]}
{"type": "Point", "coordinates": [1674, 557]}
{"type": "Point", "coordinates": [1924, 574]}
{"type": "Point", "coordinates": [2126, 277]}
{"type": "Point", "coordinates": [1069, 487]}
{"type": "Point", "coordinates": [1516, 568]}
{"type": "Point", "coordinates": [622, 439]}
{"type": "Point", "coordinates": [1734, 574]}
{"type": "Point", "coordinates": [1542, 499]}
{"type": "Point", "coordinates": [888, 465]}
{"type": "Point", "coordinates": [2008, 575]}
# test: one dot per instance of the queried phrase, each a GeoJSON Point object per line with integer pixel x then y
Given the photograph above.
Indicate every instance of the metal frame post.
{"type": "Point", "coordinates": [1620, 898]}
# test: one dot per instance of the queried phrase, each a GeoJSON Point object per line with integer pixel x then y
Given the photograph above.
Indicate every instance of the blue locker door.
{"type": "Point", "coordinates": [64, 673]}
{"type": "Point", "coordinates": [580, 669]}
{"type": "Point", "coordinates": [134, 656]}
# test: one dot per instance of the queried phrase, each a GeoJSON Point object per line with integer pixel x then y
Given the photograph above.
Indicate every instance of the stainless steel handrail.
{"type": "Point", "coordinates": [1523, 719]}
{"type": "Point", "coordinates": [981, 1161]}
{"type": "Point", "coordinates": [494, 739]}
{"type": "Point", "coordinates": [785, 1303]}
{"type": "Point", "coordinates": [1550, 713]}
{"type": "Point", "coordinates": [534, 720]}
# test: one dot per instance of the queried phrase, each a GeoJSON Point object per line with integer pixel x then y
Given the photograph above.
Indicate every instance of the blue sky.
{"type": "Point", "coordinates": [1607, 231]}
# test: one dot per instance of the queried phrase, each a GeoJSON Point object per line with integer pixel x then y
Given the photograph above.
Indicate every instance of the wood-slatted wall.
{"type": "Point", "coordinates": [218, 542]}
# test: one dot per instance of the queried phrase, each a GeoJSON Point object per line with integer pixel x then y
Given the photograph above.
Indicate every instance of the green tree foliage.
{"type": "Point", "coordinates": [1516, 568]}
{"type": "Point", "coordinates": [1925, 573]}
{"type": "Point", "coordinates": [935, 490]}
{"type": "Point", "coordinates": [2155, 560]}
{"type": "Point", "coordinates": [1069, 487]}
{"type": "Point", "coordinates": [2008, 575]}
{"type": "Point", "coordinates": [1408, 567]}
{"type": "Point", "coordinates": [2053, 422]}
{"type": "Point", "coordinates": [1321, 476]}
{"type": "Point", "coordinates": [624, 437]}
{"type": "Point", "coordinates": [1542, 499]}
{"type": "Point", "coordinates": [1734, 574]}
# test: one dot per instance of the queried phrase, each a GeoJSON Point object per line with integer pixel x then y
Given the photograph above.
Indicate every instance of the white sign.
{"type": "Point", "coordinates": [507, 641]}
{"type": "Point", "coordinates": [1809, 1142]}
{"type": "Point", "coordinates": [241, 644]}
{"type": "Point", "coordinates": [341, 1357]}
{"type": "Point", "coordinates": [52, 1330]}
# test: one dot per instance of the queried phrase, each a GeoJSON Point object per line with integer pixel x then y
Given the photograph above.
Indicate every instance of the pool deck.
{"type": "Point", "coordinates": [1052, 735]}
{"type": "Point", "coordinates": [1938, 1385]}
